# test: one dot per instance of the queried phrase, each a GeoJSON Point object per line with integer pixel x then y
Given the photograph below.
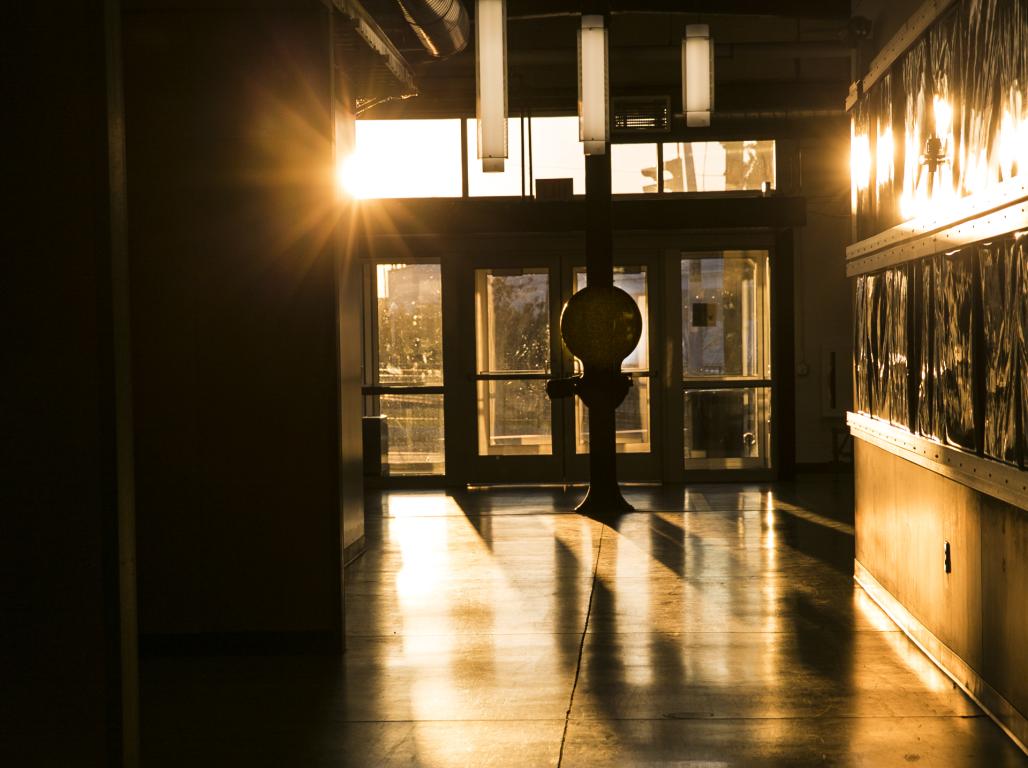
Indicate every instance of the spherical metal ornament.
{"type": "Point", "coordinates": [601, 325]}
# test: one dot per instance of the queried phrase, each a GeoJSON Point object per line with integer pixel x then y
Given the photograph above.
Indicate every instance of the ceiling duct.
{"type": "Point", "coordinates": [441, 25]}
{"type": "Point", "coordinates": [362, 46]}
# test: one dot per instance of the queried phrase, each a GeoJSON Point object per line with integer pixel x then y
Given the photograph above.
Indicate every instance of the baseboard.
{"type": "Point", "coordinates": [1013, 723]}
{"type": "Point", "coordinates": [354, 550]}
{"type": "Point", "coordinates": [241, 644]}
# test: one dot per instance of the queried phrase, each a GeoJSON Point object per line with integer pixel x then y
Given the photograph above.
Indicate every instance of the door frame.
{"type": "Point", "coordinates": [661, 252]}
{"type": "Point", "coordinates": [465, 256]}
{"type": "Point", "coordinates": [560, 254]}
{"type": "Point", "coordinates": [779, 275]}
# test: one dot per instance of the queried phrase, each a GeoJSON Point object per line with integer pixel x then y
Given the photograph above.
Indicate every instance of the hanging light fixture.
{"type": "Point", "coordinates": [491, 82]}
{"type": "Point", "coordinates": [593, 116]}
{"type": "Point", "coordinates": [697, 75]}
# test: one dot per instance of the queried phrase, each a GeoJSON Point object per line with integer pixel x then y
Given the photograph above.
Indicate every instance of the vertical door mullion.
{"type": "Point", "coordinates": [670, 356]}
{"type": "Point", "coordinates": [656, 324]}
{"type": "Point", "coordinates": [458, 402]}
{"type": "Point", "coordinates": [558, 409]}
{"type": "Point", "coordinates": [370, 336]}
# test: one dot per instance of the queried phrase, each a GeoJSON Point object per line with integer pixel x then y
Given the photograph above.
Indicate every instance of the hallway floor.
{"type": "Point", "coordinates": [717, 626]}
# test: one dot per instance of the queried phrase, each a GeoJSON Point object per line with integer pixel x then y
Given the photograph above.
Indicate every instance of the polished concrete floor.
{"type": "Point", "coordinates": [716, 626]}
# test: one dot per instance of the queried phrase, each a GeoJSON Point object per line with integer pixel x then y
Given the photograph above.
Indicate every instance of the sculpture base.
{"type": "Point", "coordinates": [604, 503]}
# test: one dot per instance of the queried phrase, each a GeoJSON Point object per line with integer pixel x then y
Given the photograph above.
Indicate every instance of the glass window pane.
{"type": "Point", "coordinates": [404, 158]}
{"type": "Point", "coordinates": [413, 434]}
{"type": "Point", "coordinates": [505, 183]}
{"type": "Point", "coordinates": [557, 152]}
{"type": "Point", "coordinates": [718, 166]}
{"type": "Point", "coordinates": [631, 280]}
{"type": "Point", "coordinates": [410, 324]}
{"type": "Point", "coordinates": [514, 418]}
{"type": "Point", "coordinates": [725, 315]}
{"type": "Point", "coordinates": [727, 428]}
{"type": "Point", "coordinates": [632, 421]}
{"type": "Point", "coordinates": [512, 313]}
{"type": "Point", "coordinates": [633, 168]}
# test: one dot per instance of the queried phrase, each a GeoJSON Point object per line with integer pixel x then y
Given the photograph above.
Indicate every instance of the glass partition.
{"type": "Point", "coordinates": [718, 166]}
{"type": "Point", "coordinates": [556, 152]}
{"type": "Point", "coordinates": [727, 428]}
{"type": "Point", "coordinates": [724, 315]}
{"type": "Point", "coordinates": [497, 184]}
{"type": "Point", "coordinates": [404, 158]}
{"type": "Point", "coordinates": [413, 440]}
{"type": "Point", "coordinates": [633, 168]}
{"type": "Point", "coordinates": [512, 331]}
{"type": "Point", "coordinates": [422, 158]}
{"type": "Point", "coordinates": [409, 328]}
{"type": "Point", "coordinates": [726, 361]}
{"type": "Point", "coordinates": [404, 368]}
{"type": "Point", "coordinates": [632, 418]}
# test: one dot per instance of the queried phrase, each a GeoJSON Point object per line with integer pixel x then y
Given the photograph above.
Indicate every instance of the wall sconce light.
{"type": "Point", "coordinates": [491, 82]}
{"type": "Point", "coordinates": [593, 114]}
{"type": "Point", "coordinates": [932, 160]}
{"type": "Point", "coordinates": [934, 155]}
{"type": "Point", "coordinates": [697, 75]}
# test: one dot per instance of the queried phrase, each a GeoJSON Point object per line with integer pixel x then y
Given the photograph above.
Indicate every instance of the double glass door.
{"type": "Point", "coordinates": [458, 351]}
{"type": "Point", "coordinates": [521, 435]}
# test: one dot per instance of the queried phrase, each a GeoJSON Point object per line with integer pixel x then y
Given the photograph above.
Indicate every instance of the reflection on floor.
{"type": "Point", "coordinates": [717, 626]}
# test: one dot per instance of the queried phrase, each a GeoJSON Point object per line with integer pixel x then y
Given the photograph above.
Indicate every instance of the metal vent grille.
{"type": "Point", "coordinates": [642, 114]}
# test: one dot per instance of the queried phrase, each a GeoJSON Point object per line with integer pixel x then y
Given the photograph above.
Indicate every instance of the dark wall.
{"type": "Point", "coordinates": [232, 222]}
{"type": "Point", "coordinates": [59, 606]}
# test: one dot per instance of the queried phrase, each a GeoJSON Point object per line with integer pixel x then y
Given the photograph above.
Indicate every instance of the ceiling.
{"type": "Point", "coordinates": [771, 56]}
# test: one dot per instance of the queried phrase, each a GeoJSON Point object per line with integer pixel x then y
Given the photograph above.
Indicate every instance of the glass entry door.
{"type": "Point", "coordinates": [507, 337]}
{"type": "Point", "coordinates": [726, 360]}
{"type": "Point", "coordinates": [520, 435]}
{"type": "Point", "coordinates": [638, 443]}
{"type": "Point", "coordinates": [513, 355]}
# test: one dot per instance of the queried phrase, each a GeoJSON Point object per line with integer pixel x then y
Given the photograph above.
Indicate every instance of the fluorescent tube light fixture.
{"type": "Point", "coordinates": [593, 114]}
{"type": "Point", "coordinates": [697, 75]}
{"type": "Point", "coordinates": [491, 82]}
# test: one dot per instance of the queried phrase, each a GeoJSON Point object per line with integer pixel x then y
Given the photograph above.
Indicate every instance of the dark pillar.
{"type": "Point", "coordinates": [604, 498]}
{"type": "Point", "coordinates": [233, 216]}
{"type": "Point", "coordinates": [67, 623]}
{"type": "Point", "coordinates": [599, 241]}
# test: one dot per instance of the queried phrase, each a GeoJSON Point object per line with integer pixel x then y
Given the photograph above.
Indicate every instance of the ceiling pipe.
{"type": "Point", "coordinates": [441, 25]}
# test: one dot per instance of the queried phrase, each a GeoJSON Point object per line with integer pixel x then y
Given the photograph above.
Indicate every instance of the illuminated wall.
{"type": "Point", "coordinates": [949, 118]}
{"type": "Point", "coordinates": [940, 340]}
{"type": "Point", "coordinates": [939, 159]}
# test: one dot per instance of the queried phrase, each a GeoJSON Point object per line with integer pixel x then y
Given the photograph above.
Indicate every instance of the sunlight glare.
{"type": "Point", "coordinates": [884, 158]}
{"type": "Point", "coordinates": [350, 173]}
{"type": "Point", "coordinates": [943, 118]}
{"type": "Point", "coordinates": [403, 158]}
{"type": "Point", "coordinates": [860, 166]}
{"type": "Point", "coordinates": [860, 160]}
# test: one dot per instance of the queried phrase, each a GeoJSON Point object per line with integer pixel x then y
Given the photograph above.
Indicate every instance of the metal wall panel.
{"type": "Point", "coordinates": [897, 309]}
{"type": "Point", "coordinates": [925, 271]}
{"type": "Point", "coordinates": [878, 297]}
{"type": "Point", "coordinates": [1020, 253]}
{"type": "Point", "coordinates": [999, 290]}
{"type": "Point", "coordinates": [861, 330]}
{"type": "Point", "coordinates": [954, 374]}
